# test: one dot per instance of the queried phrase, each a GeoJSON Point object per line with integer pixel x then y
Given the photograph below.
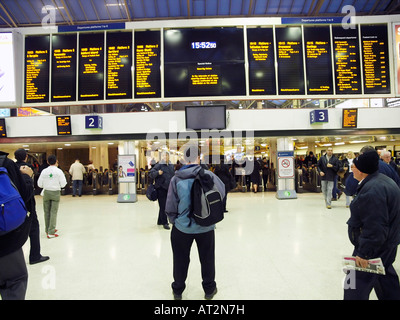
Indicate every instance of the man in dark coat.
{"type": "Point", "coordinates": [374, 229]}
{"type": "Point", "coordinates": [34, 235]}
{"type": "Point", "coordinates": [328, 166]}
{"type": "Point", "coordinates": [13, 271]}
{"type": "Point", "coordinates": [162, 174]}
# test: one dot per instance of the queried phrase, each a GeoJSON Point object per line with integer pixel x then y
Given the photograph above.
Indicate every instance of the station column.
{"type": "Point", "coordinates": [127, 181]}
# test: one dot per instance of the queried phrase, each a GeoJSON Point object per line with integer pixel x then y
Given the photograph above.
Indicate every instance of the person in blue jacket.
{"type": "Point", "coordinates": [185, 230]}
{"type": "Point", "coordinates": [374, 229]}
{"type": "Point", "coordinates": [351, 182]}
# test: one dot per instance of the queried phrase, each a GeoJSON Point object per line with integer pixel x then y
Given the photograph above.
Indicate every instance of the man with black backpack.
{"type": "Point", "coordinates": [185, 229]}
{"type": "Point", "coordinates": [13, 271]}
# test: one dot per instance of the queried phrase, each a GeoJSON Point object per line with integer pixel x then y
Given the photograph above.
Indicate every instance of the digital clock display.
{"type": "Point", "coordinates": [204, 45]}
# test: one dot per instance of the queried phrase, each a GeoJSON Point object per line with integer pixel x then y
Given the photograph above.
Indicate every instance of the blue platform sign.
{"type": "Point", "coordinates": [318, 116]}
{"type": "Point", "coordinates": [92, 27]}
{"type": "Point", "coordinates": [94, 122]}
{"type": "Point", "coordinates": [311, 20]}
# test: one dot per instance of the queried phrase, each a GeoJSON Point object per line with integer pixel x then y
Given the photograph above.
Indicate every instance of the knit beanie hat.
{"type": "Point", "coordinates": [367, 162]}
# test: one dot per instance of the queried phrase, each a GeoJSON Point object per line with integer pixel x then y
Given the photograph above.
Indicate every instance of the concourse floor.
{"type": "Point", "coordinates": [265, 249]}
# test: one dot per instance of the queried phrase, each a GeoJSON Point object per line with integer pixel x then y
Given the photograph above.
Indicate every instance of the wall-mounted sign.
{"type": "Point", "coordinates": [63, 125]}
{"type": "Point", "coordinates": [349, 119]}
{"type": "Point", "coordinates": [318, 116]}
{"type": "Point", "coordinates": [3, 133]}
{"type": "Point", "coordinates": [94, 122]}
{"type": "Point", "coordinates": [286, 165]}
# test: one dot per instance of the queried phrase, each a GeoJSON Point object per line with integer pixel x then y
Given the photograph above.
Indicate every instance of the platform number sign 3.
{"type": "Point", "coordinates": [318, 116]}
{"type": "Point", "coordinates": [94, 122]}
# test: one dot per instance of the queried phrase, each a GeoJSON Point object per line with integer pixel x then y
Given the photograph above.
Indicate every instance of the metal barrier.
{"type": "Point", "coordinates": [307, 180]}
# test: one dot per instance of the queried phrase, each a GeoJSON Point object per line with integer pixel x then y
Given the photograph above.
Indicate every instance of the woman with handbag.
{"type": "Point", "coordinates": [162, 174]}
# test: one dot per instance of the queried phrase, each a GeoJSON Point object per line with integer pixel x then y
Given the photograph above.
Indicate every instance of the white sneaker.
{"type": "Point", "coordinates": [50, 236]}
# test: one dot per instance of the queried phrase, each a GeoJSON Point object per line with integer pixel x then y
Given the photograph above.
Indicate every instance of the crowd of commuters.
{"type": "Point", "coordinates": [369, 179]}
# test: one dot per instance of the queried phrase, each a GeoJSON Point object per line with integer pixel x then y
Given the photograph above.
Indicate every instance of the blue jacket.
{"type": "Point", "coordinates": [178, 202]}
{"type": "Point", "coordinates": [374, 223]}
{"type": "Point", "coordinates": [352, 183]}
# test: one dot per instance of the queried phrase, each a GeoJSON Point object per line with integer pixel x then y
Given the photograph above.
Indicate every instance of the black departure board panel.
{"type": "Point", "coordinates": [347, 60]}
{"type": "Point", "coordinates": [318, 60]}
{"type": "Point", "coordinates": [63, 125]}
{"type": "Point", "coordinates": [63, 71]}
{"type": "Point", "coordinates": [204, 62]}
{"type": "Point", "coordinates": [376, 73]}
{"type": "Point", "coordinates": [260, 46]}
{"type": "Point", "coordinates": [91, 66]}
{"type": "Point", "coordinates": [3, 132]}
{"type": "Point", "coordinates": [119, 65]}
{"type": "Point", "coordinates": [147, 64]}
{"type": "Point", "coordinates": [37, 54]}
{"type": "Point", "coordinates": [290, 61]}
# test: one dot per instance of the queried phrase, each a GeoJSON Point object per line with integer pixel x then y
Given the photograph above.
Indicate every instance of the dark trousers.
{"type": "Point", "coordinates": [34, 237]}
{"type": "Point", "coordinates": [181, 245]}
{"type": "Point", "coordinates": [13, 276]}
{"type": "Point", "coordinates": [77, 185]}
{"type": "Point", "coordinates": [386, 286]}
{"type": "Point", "coordinates": [162, 199]}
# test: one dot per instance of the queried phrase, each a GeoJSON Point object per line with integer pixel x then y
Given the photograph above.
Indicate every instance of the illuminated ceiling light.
{"type": "Point", "coordinates": [339, 143]}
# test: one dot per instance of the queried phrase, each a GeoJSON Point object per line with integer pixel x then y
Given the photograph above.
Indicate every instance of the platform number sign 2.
{"type": "Point", "coordinates": [318, 116]}
{"type": "Point", "coordinates": [94, 122]}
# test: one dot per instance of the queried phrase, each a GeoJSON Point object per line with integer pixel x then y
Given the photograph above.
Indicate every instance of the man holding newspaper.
{"type": "Point", "coordinates": [374, 229]}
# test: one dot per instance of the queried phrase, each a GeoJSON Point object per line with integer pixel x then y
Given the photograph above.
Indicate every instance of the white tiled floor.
{"type": "Point", "coordinates": [265, 249]}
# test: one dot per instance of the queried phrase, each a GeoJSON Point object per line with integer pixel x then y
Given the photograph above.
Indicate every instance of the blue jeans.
{"type": "Point", "coordinates": [327, 187]}
{"type": "Point", "coordinates": [77, 184]}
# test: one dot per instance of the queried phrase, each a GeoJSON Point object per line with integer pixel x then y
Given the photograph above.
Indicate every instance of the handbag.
{"type": "Point", "coordinates": [151, 192]}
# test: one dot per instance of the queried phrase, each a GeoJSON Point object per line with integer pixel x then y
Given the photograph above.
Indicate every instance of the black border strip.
{"type": "Point", "coordinates": [173, 135]}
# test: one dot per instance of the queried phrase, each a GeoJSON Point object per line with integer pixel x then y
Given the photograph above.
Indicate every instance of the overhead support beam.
{"type": "Point", "coordinates": [8, 15]}
{"type": "Point", "coordinates": [127, 11]}
{"type": "Point", "coordinates": [318, 7]}
{"type": "Point", "coordinates": [67, 11]}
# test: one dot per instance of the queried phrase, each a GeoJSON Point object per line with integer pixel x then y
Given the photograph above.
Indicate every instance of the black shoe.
{"type": "Point", "coordinates": [41, 259]}
{"type": "Point", "coordinates": [177, 296]}
{"type": "Point", "coordinates": [211, 295]}
{"type": "Point", "coordinates": [166, 226]}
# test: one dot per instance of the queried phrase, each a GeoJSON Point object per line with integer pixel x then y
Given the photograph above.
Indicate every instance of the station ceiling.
{"type": "Point", "coordinates": [23, 13]}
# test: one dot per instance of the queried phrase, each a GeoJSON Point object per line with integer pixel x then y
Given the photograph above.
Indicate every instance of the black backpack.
{"type": "Point", "coordinates": [207, 204]}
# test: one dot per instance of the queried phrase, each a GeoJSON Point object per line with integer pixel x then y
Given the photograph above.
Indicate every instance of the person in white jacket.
{"type": "Point", "coordinates": [76, 171]}
{"type": "Point", "coordinates": [51, 179]}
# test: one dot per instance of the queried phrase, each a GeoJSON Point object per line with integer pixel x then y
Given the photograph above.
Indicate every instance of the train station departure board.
{"type": "Point", "coordinates": [318, 60]}
{"type": "Point", "coordinates": [260, 46]}
{"type": "Point", "coordinates": [37, 54]}
{"type": "Point", "coordinates": [347, 60]}
{"type": "Point", "coordinates": [63, 71]}
{"type": "Point", "coordinates": [3, 131]}
{"type": "Point", "coordinates": [376, 73]}
{"type": "Point", "coordinates": [290, 61]}
{"type": "Point", "coordinates": [204, 62]}
{"type": "Point", "coordinates": [119, 65]}
{"type": "Point", "coordinates": [273, 61]}
{"type": "Point", "coordinates": [147, 64]}
{"type": "Point", "coordinates": [63, 125]}
{"type": "Point", "coordinates": [91, 66]}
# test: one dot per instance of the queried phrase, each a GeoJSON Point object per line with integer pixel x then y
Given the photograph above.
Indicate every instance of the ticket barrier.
{"type": "Point", "coordinates": [143, 182]}
{"type": "Point", "coordinates": [68, 187]}
{"type": "Point", "coordinates": [307, 180]}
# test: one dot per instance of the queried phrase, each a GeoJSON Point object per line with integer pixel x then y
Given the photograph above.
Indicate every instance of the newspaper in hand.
{"type": "Point", "coordinates": [374, 265]}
